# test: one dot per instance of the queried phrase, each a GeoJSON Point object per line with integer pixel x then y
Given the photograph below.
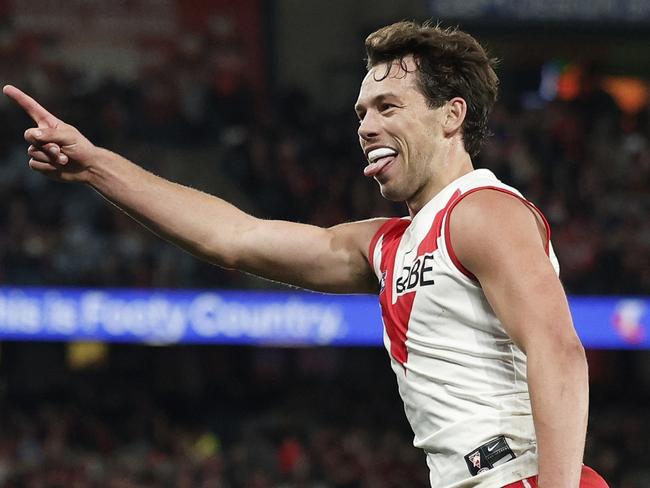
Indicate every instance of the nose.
{"type": "Point", "coordinates": [369, 127]}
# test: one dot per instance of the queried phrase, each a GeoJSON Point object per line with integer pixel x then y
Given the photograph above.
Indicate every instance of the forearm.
{"type": "Point", "coordinates": [202, 224]}
{"type": "Point", "coordinates": [559, 389]}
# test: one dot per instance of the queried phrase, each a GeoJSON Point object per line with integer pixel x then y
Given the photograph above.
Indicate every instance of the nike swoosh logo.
{"type": "Point", "coordinates": [492, 447]}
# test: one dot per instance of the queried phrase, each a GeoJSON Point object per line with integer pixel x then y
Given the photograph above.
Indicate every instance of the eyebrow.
{"type": "Point", "coordinates": [376, 99]}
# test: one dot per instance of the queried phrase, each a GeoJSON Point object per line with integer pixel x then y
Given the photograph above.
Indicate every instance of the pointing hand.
{"type": "Point", "coordinates": [57, 149]}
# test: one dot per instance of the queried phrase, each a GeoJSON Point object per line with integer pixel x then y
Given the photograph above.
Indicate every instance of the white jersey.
{"type": "Point", "coordinates": [461, 377]}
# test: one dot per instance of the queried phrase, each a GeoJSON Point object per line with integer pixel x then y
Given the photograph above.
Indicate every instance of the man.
{"type": "Point", "coordinates": [492, 374]}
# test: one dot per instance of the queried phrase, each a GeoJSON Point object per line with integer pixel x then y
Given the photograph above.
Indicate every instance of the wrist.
{"type": "Point", "coordinates": [97, 163]}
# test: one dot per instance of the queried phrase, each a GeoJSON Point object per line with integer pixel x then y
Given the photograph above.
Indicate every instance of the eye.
{"type": "Point", "coordinates": [385, 107]}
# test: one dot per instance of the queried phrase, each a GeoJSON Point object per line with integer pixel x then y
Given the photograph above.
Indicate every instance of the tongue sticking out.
{"type": "Point", "coordinates": [373, 168]}
{"type": "Point", "coordinates": [378, 158]}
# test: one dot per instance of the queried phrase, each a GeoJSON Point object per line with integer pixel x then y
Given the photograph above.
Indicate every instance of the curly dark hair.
{"type": "Point", "coordinates": [450, 63]}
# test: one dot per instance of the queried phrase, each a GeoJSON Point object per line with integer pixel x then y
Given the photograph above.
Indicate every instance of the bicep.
{"type": "Point", "coordinates": [497, 238]}
{"type": "Point", "coordinates": [528, 298]}
{"type": "Point", "coordinates": [323, 259]}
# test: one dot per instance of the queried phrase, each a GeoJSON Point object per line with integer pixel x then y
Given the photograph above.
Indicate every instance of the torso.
{"type": "Point", "coordinates": [461, 377]}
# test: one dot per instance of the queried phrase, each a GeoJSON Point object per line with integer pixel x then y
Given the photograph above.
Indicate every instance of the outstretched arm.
{"type": "Point", "coordinates": [332, 260]}
{"type": "Point", "coordinates": [499, 240]}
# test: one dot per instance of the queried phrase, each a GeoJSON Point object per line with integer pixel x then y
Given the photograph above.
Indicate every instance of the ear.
{"type": "Point", "coordinates": [454, 115]}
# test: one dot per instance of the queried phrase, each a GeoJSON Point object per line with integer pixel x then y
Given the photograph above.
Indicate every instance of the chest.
{"type": "Point", "coordinates": [415, 267]}
{"type": "Point", "coordinates": [412, 260]}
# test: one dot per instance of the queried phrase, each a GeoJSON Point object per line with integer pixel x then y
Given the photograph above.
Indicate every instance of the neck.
{"type": "Point", "coordinates": [456, 165]}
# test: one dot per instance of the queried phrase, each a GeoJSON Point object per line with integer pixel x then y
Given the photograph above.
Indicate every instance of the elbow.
{"type": "Point", "coordinates": [562, 370]}
{"type": "Point", "coordinates": [583, 361]}
{"type": "Point", "coordinates": [215, 252]}
{"type": "Point", "coordinates": [575, 373]}
{"type": "Point", "coordinates": [576, 350]}
{"type": "Point", "coordinates": [565, 355]}
{"type": "Point", "coordinates": [571, 353]}
{"type": "Point", "coordinates": [573, 359]}
{"type": "Point", "coordinates": [224, 258]}
{"type": "Point", "coordinates": [229, 247]}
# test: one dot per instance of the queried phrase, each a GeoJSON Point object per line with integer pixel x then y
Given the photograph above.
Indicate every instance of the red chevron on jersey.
{"type": "Point", "coordinates": [391, 234]}
{"type": "Point", "coordinates": [396, 313]}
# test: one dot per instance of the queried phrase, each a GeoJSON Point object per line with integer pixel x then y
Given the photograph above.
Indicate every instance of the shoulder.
{"type": "Point", "coordinates": [389, 230]}
{"type": "Point", "coordinates": [489, 227]}
{"type": "Point", "coordinates": [364, 234]}
{"type": "Point", "coordinates": [491, 203]}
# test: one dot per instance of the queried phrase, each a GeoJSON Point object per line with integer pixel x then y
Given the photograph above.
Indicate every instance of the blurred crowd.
{"type": "Point", "coordinates": [233, 418]}
{"type": "Point", "coordinates": [584, 162]}
{"type": "Point", "coordinates": [59, 446]}
{"type": "Point", "coordinates": [192, 417]}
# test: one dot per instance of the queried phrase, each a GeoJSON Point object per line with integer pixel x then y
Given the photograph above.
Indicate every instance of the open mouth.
{"type": "Point", "coordinates": [378, 159]}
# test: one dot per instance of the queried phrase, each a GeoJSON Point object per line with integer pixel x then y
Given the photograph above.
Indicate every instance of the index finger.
{"type": "Point", "coordinates": [34, 109]}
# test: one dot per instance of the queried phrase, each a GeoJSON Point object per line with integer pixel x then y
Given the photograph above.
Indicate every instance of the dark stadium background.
{"type": "Point", "coordinates": [252, 100]}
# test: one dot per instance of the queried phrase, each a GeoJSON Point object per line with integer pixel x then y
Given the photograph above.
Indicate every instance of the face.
{"type": "Point", "coordinates": [401, 137]}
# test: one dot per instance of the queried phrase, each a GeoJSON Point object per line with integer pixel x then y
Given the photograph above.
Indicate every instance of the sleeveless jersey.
{"type": "Point", "coordinates": [460, 376]}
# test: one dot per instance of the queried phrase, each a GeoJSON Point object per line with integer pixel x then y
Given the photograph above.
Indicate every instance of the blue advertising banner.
{"type": "Point", "coordinates": [256, 318]}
